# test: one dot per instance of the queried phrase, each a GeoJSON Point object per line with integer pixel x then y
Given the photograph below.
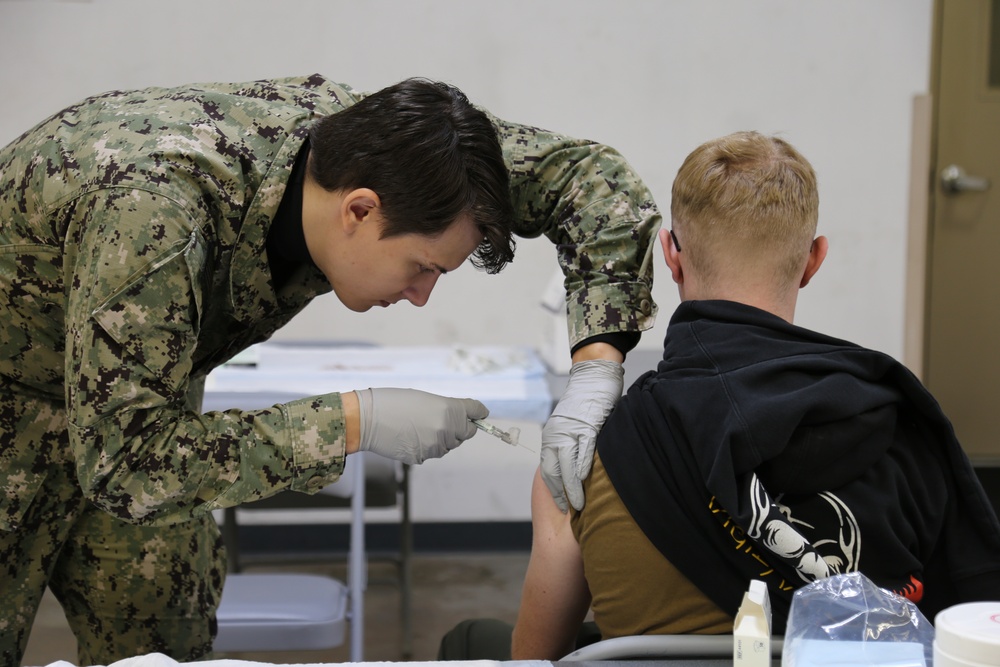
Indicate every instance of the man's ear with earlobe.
{"type": "Point", "coordinates": [817, 253]}
{"type": "Point", "coordinates": [672, 256]}
{"type": "Point", "coordinates": [357, 206]}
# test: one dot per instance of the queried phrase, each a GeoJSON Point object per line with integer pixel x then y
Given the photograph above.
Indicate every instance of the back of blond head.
{"type": "Point", "coordinates": [746, 202]}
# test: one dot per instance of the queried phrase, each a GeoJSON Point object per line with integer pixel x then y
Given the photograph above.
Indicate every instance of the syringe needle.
{"type": "Point", "coordinates": [521, 444]}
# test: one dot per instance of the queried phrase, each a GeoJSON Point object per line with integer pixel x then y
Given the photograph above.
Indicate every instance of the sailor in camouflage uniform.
{"type": "Point", "coordinates": [148, 236]}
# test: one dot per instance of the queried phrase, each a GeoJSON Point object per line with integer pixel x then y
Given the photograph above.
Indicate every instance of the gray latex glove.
{"type": "Point", "coordinates": [412, 426]}
{"type": "Point", "coordinates": [570, 434]}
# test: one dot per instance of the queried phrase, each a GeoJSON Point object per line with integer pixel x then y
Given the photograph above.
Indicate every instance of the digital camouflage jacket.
{"type": "Point", "coordinates": [132, 262]}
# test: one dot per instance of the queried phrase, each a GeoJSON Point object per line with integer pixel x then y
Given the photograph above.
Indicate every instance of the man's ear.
{"type": "Point", "coordinates": [672, 256]}
{"type": "Point", "coordinates": [357, 206]}
{"type": "Point", "coordinates": [817, 253]}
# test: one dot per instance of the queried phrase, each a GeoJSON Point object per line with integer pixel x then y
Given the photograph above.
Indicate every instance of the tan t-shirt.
{"type": "Point", "coordinates": [635, 589]}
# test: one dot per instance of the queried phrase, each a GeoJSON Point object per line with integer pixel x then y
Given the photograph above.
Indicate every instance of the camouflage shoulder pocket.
{"type": "Point", "coordinates": [154, 317]}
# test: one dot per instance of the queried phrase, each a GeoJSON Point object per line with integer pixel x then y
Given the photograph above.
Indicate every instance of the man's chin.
{"type": "Point", "coordinates": [358, 307]}
{"type": "Point", "coordinates": [364, 306]}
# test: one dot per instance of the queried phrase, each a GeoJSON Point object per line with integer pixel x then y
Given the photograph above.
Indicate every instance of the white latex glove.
{"type": "Point", "coordinates": [570, 434]}
{"type": "Point", "coordinates": [412, 426]}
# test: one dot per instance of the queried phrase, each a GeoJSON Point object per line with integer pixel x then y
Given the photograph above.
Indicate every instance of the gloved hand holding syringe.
{"type": "Point", "coordinates": [510, 436]}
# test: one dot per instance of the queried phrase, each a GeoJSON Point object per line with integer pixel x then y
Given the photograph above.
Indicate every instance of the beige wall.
{"type": "Point", "coordinates": [653, 79]}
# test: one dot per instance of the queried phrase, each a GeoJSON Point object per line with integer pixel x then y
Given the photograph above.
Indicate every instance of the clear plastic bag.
{"type": "Point", "coordinates": [846, 620]}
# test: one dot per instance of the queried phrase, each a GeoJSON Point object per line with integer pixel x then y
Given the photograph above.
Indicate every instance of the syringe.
{"type": "Point", "coordinates": [509, 436]}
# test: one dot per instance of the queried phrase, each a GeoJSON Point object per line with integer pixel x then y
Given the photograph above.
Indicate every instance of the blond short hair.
{"type": "Point", "coordinates": [742, 200]}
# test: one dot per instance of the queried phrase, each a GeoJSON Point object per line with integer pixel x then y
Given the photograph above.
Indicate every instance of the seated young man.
{"type": "Point", "coordinates": [756, 449]}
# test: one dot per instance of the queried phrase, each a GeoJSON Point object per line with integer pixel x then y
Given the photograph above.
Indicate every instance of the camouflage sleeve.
{"type": "Point", "coordinates": [588, 201]}
{"type": "Point", "coordinates": [136, 272]}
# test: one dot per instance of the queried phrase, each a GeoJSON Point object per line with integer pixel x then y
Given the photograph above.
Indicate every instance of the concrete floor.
{"type": "Point", "coordinates": [446, 589]}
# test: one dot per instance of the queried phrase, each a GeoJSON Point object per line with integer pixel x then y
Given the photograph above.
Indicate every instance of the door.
{"type": "Point", "coordinates": [962, 363]}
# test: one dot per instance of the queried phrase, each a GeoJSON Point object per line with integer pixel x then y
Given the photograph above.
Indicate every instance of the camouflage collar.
{"type": "Point", "coordinates": [251, 290]}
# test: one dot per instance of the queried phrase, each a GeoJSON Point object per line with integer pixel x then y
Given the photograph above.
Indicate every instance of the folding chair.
{"type": "Point", "coordinates": [287, 612]}
{"type": "Point", "coordinates": [386, 485]}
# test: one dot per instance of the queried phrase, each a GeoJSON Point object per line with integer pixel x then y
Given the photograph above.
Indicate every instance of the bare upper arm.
{"type": "Point", "coordinates": [555, 597]}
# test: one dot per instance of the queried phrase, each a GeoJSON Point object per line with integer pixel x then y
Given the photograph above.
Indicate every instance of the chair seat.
{"type": "Point", "coordinates": [656, 646]}
{"type": "Point", "coordinates": [281, 612]}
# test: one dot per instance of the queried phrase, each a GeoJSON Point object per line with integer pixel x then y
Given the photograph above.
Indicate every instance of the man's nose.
{"type": "Point", "coordinates": [420, 291]}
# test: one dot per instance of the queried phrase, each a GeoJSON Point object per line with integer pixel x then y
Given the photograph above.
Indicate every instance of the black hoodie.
{"type": "Point", "coordinates": [762, 450]}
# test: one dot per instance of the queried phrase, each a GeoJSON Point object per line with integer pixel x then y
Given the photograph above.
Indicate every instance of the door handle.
{"type": "Point", "coordinates": [954, 180]}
